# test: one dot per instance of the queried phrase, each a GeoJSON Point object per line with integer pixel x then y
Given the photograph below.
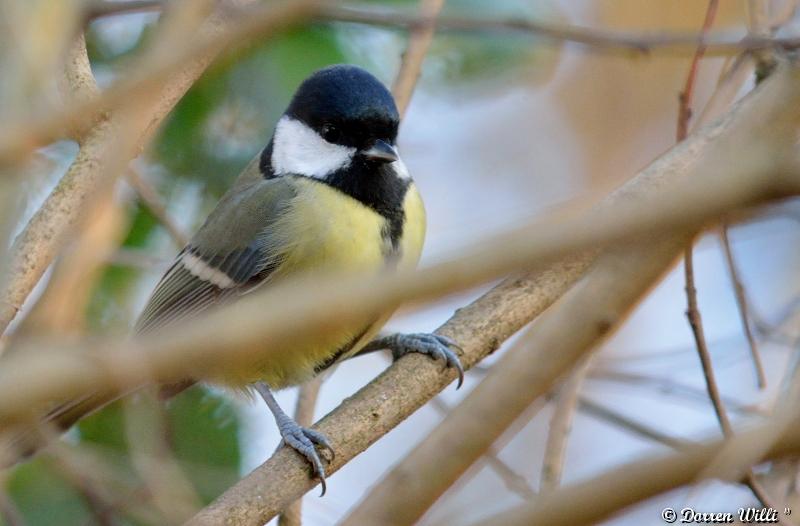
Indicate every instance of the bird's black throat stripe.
{"type": "Point", "coordinates": [372, 184]}
{"type": "Point", "coordinates": [379, 188]}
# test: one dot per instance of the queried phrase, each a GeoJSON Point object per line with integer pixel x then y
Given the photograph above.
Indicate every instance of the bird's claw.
{"type": "Point", "coordinates": [436, 346]}
{"type": "Point", "coordinates": [304, 441]}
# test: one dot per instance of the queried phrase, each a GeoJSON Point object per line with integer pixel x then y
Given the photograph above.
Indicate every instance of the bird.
{"type": "Point", "coordinates": [329, 193]}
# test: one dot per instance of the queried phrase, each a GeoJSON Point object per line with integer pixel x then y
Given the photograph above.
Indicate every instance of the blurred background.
{"type": "Point", "coordinates": [501, 128]}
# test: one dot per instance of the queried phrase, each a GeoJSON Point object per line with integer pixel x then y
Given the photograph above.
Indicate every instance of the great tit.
{"type": "Point", "coordinates": [329, 193]}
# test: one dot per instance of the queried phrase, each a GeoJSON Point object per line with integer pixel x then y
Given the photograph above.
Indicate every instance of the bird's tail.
{"type": "Point", "coordinates": [25, 440]}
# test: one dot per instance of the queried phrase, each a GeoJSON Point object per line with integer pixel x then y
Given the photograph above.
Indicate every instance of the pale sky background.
{"type": "Point", "coordinates": [486, 158]}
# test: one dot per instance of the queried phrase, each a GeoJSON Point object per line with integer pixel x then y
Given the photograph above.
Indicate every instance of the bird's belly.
{"type": "Point", "coordinates": [337, 237]}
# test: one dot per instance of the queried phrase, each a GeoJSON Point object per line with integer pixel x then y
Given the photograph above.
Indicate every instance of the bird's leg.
{"type": "Point", "coordinates": [434, 345]}
{"type": "Point", "coordinates": [298, 438]}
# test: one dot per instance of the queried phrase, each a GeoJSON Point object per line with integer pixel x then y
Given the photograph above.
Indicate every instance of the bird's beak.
{"type": "Point", "coordinates": [381, 151]}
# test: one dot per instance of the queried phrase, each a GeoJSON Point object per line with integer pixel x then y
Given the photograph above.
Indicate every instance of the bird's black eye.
{"type": "Point", "coordinates": [331, 133]}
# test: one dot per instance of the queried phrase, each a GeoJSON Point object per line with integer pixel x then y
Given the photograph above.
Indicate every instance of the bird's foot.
{"type": "Point", "coordinates": [436, 346]}
{"type": "Point", "coordinates": [304, 441]}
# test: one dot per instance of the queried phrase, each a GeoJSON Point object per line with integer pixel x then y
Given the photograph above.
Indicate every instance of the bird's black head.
{"type": "Point", "coordinates": [346, 105]}
{"type": "Point", "coordinates": [340, 116]}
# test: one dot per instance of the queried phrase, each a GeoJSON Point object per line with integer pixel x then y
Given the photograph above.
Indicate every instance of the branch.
{"type": "Point", "coordinates": [512, 480]}
{"type": "Point", "coordinates": [104, 8]}
{"type": "Point", "coordinates": [637, 428]}
{"type": "Point", "coordinates": [605, 495]}
{"type": "Point", "coordinates": [419, 41]}
{"type": "Point", "coordinates": [539, 241]}
{"type": "Point", "coordinates": [78, 84]}
{"type": "Point", "coordinates": [37, 245]}
{"type": "Point", "coordinates": [693, 312]}
{"type": "Point", "coordinates": [714, 152]}
{"type": "Point", "coordinates": [601, 301]}
{"type": "Point", "coordinates": [742, 304]}
{"type": "Point", "coordinates": [150, 198]}
{"type": "Point", "coordinates": [225, 31]}
{"type": "Point", "coordinates": [716, 44]}
{"type": "Point", "coordinates": [566, 403]}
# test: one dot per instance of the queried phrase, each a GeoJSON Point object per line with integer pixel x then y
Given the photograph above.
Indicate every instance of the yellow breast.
{"type": "Point", "coordinates": [324, 231]}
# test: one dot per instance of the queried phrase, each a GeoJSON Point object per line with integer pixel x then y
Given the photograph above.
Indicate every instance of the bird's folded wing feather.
{"type": "Point", "coordinates": [231, 253]}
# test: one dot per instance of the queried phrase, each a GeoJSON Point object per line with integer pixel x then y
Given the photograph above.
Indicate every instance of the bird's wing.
{"type": "Point", "coordinates": [232, 252]}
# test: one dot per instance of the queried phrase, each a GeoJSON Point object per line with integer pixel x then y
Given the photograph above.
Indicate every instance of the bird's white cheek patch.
{"type": "Point", "coordinates": [400, 169]}
{"type": "Point", "coordinates": [201, 269]}
{"type": "Point", "coordinates": [298, 149]}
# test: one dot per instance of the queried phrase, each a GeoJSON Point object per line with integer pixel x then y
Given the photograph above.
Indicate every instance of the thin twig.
{"type": "Point", "coordinates": [671, 387]}
{"type": "Point", "coordinates": [685, 98]}
{"type": "Point", "coordinates": [171, 66]}
{"type": "Point", "coordinates": [566, 402]}
{"type": "Point", "coordinates": [419, 41]}
{"type": "Point", "coordinates": [523, 374]}
{"type": "Point", "coordinates": [149, 196]}
{"type": "Point", "coordinates": [715, 44]}
{"type": "Point", "coordinates": [758, 21]}
{"type": "Point", "coordinates": [637, 428]}
{"type": "Point", "coordinates": [104, 8]}
{"type": "Point", "coordinates": [742, 303]}
{"type": "Point", "coordinates": [676, 192]}
{"type": "Point", "coordinates": [693, 315]}
{"type": "Point", "coordinates": [512, 480]}
{"type": "Point", "coordinates": [603, 496]}
{"type": "Point", "coordinates": [693, 312]}
{"type": "Point", "coordinates": [413, 380]}
{"type": "Point", "coordinates": [158, 84]}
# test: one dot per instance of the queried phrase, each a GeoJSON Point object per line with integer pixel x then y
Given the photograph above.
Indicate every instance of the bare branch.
{"type": "Point", "coordinates": [37, 245]}
{"type": "Point", "coordinates": [150, 198]}
{"type": "Point", "coordinates": [78, 83]}
{"type": "Point", "coordinates": [612, 417]}
{"type": "Point", "coordinates": [104, 8]}
{"type": "Point", "coordinates": [716, 44]}
{"type": "Point", "coordinates": [419, 41]}
{"type": "Point", "coordinates": [742, 303]}
{"type": "Point", "coordinates": [603, 496]}
{"type": "Point", "coordinates": [601, 301]}
{"type": "Point", "coordinates": [408, 383]}
{"type": "Point", "coordinates": [693, 312]}
{"type": "Point", "coordinates": [167, 69]}
{"type": "Point", "coordinates": [512, 480]}
{"type": "Point", "coordinates": [566, 402]}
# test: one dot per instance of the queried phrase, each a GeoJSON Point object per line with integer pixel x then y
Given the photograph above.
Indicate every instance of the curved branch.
{"type": "Point", "coordinates": [603, 496]}
{"type": "Point", "coordinates": [153, 94]}
{"type": "Point", "coordinates": [481, 327]}
{"type": "Point", "coordinates": [419, 41]}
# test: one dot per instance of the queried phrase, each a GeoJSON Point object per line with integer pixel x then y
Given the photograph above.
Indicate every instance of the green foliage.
{"type": "Point", "coordinates": [204, 436]}
{"type": "Point", "coordinates": [106, 307]}
{"type": "Point", "coordinates": [42, 496]}
{"type": "Point", "coordinates": [202, 428]}
{"type": "Point", "coordinates": [458, 57]}
{"type": "Point", "coordinates": [221, 123]}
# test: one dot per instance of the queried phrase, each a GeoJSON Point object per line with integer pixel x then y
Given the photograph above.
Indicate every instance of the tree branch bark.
{"type": "Point", "coordinates": [37, 245]}
{"type": "Point", "coordinates": [714, 154]}
{"type": "Point", "coordinates": [603, 496]}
